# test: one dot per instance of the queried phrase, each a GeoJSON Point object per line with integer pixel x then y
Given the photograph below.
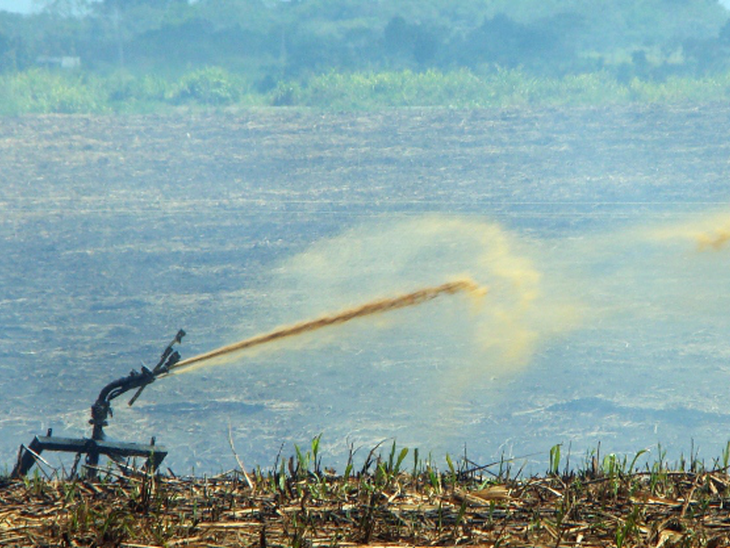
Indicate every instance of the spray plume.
{"type": "Point", "coordinates": [709, 232]}
{"type": "Point", "coordinates": [376, 306]}
{"type": "Point", "coordinates": [714, 240]}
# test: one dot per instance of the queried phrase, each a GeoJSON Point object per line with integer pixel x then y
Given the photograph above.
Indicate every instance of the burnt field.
{"type": "Point", "coordinates": [306, 506]}
{"type": "Point", "coordinates": [117, 231]}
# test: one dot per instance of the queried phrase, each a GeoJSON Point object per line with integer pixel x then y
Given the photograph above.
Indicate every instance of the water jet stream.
{"type": "Point", "coordinates": [373, 307]}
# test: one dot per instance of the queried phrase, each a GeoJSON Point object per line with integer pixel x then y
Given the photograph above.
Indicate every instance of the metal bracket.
{"type": "Point", "coordinates": [27, 456]}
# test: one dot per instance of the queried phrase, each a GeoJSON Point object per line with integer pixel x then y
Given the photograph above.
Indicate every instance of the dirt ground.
{"type": "Point", "coordinates": [430, 154]}
{"type": "Point", "coordinates": [608, 506]}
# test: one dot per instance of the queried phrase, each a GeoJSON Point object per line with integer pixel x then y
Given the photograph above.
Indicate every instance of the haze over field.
{"type": "Point", "coordinates": [600, 235]}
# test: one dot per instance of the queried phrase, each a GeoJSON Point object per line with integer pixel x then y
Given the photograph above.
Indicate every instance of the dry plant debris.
{"type": "Point", "coordinates": [304, 506]}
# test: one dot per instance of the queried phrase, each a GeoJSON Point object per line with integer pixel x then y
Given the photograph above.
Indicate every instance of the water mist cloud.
{"type": "Point", "coordinates": [497, 337]}
{"type": "Point", "coordinates": [430, 376]}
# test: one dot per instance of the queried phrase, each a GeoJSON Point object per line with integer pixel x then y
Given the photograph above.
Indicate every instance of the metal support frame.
{"type": "Point", "coordinates": [27, 456]}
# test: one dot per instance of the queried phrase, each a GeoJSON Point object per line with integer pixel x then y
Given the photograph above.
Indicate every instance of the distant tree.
{"type": "Point", "coordinates": [8, 58]}
{"type": "Point", "coordinates": [412, 41]}
{"type": "Point", "coordinates": [501, 41]}
{"type": "Point", "coordinates": [127, 4]}
{"type": "Point", "coordinates": [260, 15]}
{"type": "Point", "coordinates": [398, 36]}
{"type": "Point", "coordinates": [15, 42]}
{"type": "Point", "coordinates": [706, 56]}
{"type": "Point", "coordinates": [66, 8]}
{"type": "Point", "coordinates": [425, 46]}
{"type": "Point", "coordinates": [298, 37]}
{"type": "Point", "coordinates": [121, 22]}
{"type": "Point", "coordinates": [640, 62]}
{"type": "Point", "coordinates": [724, 34]}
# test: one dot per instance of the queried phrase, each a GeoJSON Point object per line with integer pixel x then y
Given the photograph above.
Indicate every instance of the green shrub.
{"type": "Point", "coordinates": [682, 89]}
{"type": "Point", "coordinates": [388, 89]}
{"type": "Point", "coordinates": [208, 86]}
{"type": "Point", "coordinates": [491, 89]}
{"type": "Point", "coordinates": [596, 88]}
{"type": "Point", "coordinates": [49, 91]}
{"type": "Point", "coordinates": [42, 91]}
{"type": "Point", "coordinates": [458, 89]}
{"type": "Point", "coordinates": [125, 88]}
{"type": "Point", "coordinates": [286, 94]}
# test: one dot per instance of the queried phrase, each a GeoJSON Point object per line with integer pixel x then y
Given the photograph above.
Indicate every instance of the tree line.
{"type": "Point", "coordinates": [269, 41]}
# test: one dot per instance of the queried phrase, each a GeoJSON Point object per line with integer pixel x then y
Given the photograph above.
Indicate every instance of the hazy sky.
{"type": "Point", "coordinates": [22, 6]}
{"type": "Point", "coordinates": [25, 6]}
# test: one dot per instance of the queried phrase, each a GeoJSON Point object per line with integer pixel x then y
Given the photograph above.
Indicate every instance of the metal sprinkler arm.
{"type": "Point", "coordinates": [167, 360]}
{"type": "Point", "coordinates": [101, 409]}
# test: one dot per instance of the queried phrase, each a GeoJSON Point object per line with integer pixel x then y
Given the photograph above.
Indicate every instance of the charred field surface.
{"type": "Point", "coordinates": [610, 505]}
{"type": "Point", "coordinates": [116, 231]}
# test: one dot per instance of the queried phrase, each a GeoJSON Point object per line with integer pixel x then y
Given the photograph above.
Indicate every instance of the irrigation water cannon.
{"type": "Point", "coordinates": [101, 410]}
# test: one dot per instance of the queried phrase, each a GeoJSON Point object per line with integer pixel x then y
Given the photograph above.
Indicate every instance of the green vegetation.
{"type": "Point", "coordinates": [143, 55]}
{"type": "Point", "coordinates": [43, 91]}
{"type": "Point", "coordinates": [609, 501]}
